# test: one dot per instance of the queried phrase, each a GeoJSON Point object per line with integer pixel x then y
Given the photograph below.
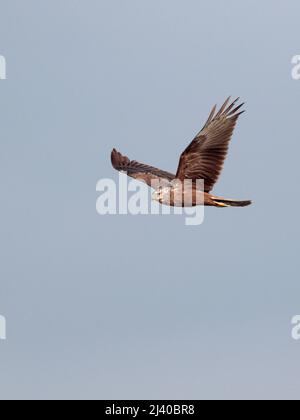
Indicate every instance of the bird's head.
{"type": "Point", "coordinates": [157, 195]}
{"type": "Point", "coordinates": [162, 195]}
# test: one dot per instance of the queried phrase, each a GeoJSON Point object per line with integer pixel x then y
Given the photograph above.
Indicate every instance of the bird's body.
{"type": "Point", "coordinates": [177, 194]}
{"type": "Point", "coordinates": [201, 161]}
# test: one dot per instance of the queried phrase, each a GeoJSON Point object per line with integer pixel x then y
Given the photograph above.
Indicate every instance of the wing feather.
{"type": "Point", "coordinates": [139, 171]}
{"type": "Point", "coordinates": [205, 156]}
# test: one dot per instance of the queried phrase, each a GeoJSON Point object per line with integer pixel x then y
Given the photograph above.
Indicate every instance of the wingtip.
{"type": "Point", "coordinates": [228, 109]}
{"type": "Point", "coordinates": [234, 112]}
{"type": "Point", "coordinates": [114, 157]}
{"type": "Point", "coordinates": [118, 160]}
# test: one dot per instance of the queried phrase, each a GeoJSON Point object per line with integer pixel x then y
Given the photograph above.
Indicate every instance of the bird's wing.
{"type": "Point", "coordinates": [205, 156]}
{"type": "Point", "coordinates": [139, 171]}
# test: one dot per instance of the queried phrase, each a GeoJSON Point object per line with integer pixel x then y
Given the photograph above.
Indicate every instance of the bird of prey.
{"type": "Point", "coordinates": [203, 159]}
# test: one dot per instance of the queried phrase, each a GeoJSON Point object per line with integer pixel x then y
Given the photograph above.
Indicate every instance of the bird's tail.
{"type": "Point", "coordinates": [223, 202]}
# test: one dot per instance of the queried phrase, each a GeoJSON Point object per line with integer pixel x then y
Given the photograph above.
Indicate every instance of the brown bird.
{"type": "Point", "coordinates": [203, 160]}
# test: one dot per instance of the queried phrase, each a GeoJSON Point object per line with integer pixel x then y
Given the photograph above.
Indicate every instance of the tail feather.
{"type": "Point", "coordinates": [223, 202]}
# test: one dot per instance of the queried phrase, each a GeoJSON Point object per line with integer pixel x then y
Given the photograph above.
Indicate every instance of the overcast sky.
{"type": "Point", "coordinates": [145, 307]}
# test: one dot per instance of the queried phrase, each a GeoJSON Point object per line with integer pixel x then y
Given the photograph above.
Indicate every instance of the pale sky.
{"type": "Point", "coordinates": [144, 307]}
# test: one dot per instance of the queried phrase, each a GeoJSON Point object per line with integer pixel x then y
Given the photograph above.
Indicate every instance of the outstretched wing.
{"type": "Point", "coordinates": [205, 156]}
{"type": "Point", "coordinates": [139, 171]}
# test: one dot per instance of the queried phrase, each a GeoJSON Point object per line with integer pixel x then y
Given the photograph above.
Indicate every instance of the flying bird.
{"type": "Point", "coordinates": [203, 160]}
